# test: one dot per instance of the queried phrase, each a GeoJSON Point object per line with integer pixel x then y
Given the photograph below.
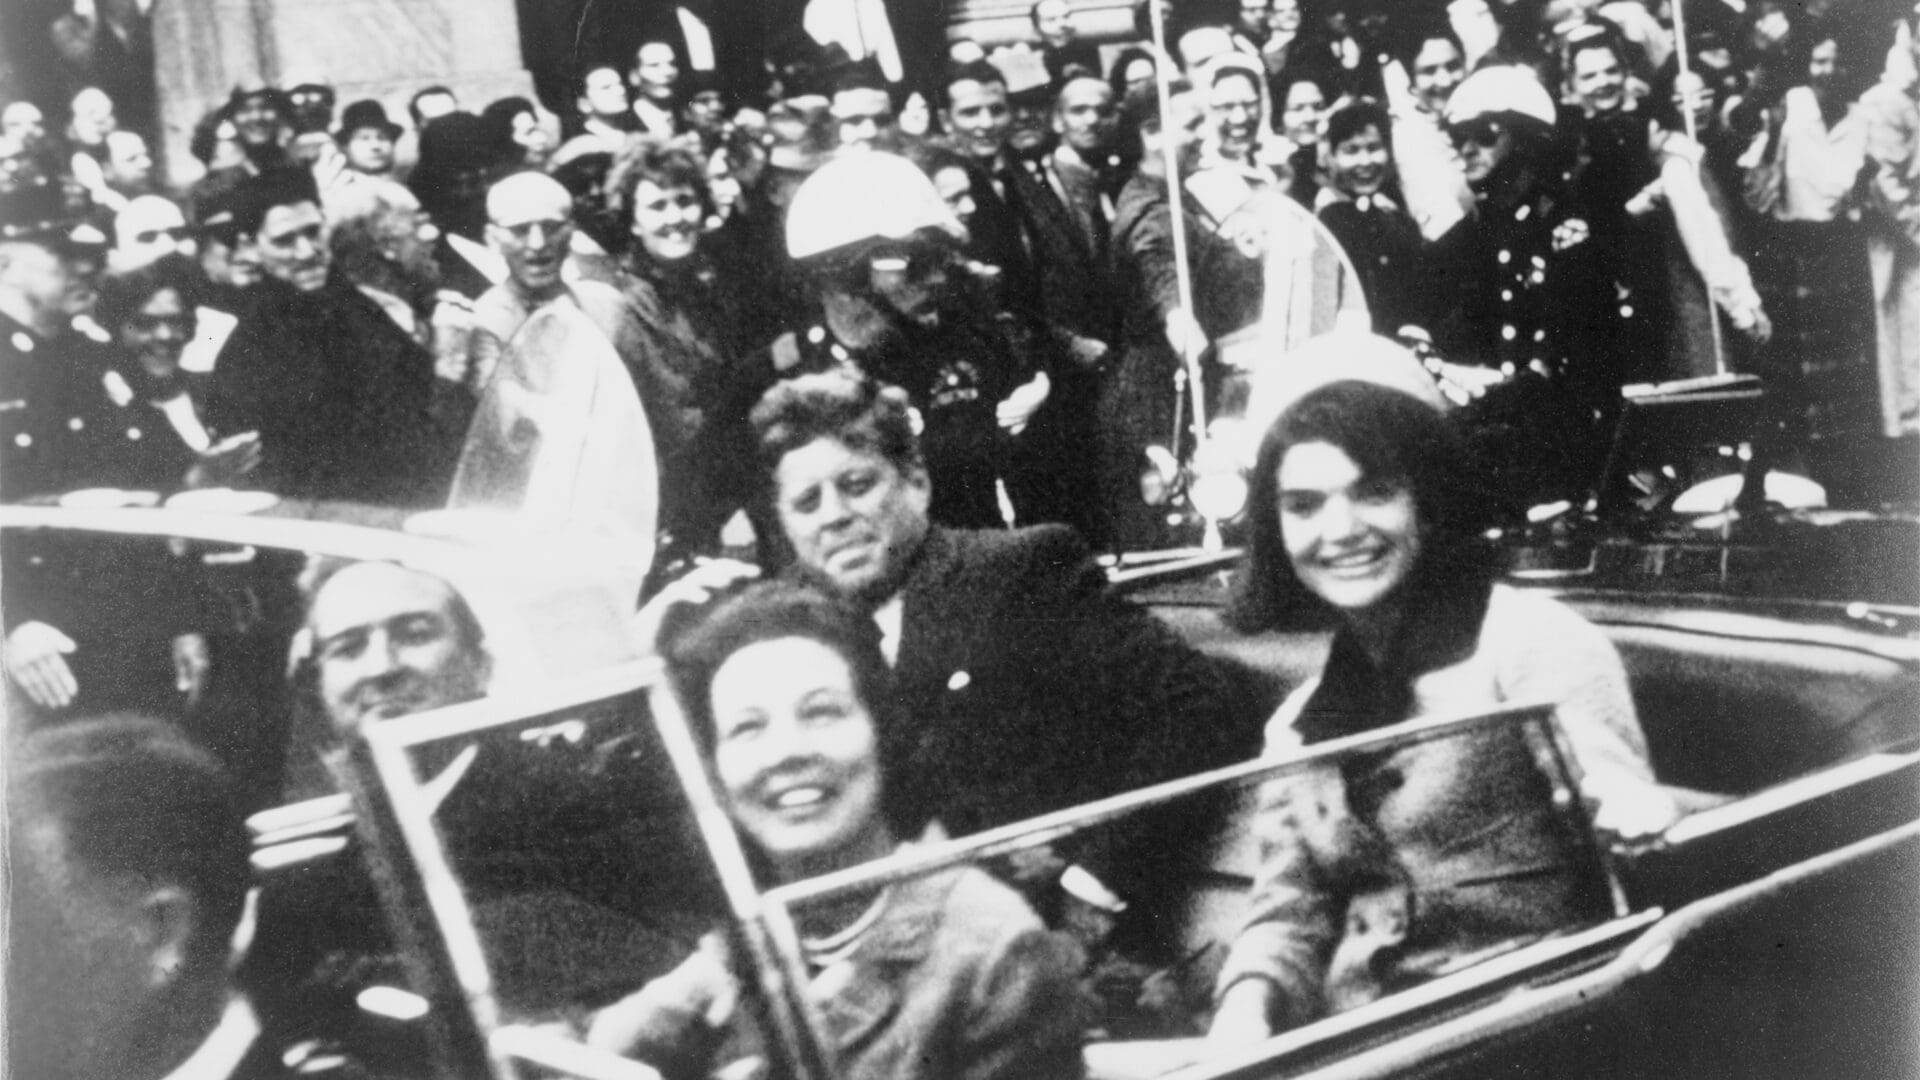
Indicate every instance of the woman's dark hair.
{"type": "Point", "coordinates": [125, 292]}
{"type": "Point", "coordinates": [1408, 44]}
{"type": "Point", "coordinates": [1355, 117]}
{"type": "Point", "coordinates": [1117, 73]}
{"type": "Point", "coordinates": [1283, 85]}
{"type": "Point", "coordinates": [664, 163]}
{"type": "Point", "coordinates": [769, 611]}
{"type": "Point", "coordinates": [1393, 437]}
{"type": "Point", "coordinates": [498, 116]}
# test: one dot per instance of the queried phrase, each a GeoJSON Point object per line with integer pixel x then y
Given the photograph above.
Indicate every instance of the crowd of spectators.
{"type": "Point", "coordinates": [1547, 193]}
{"type": "Point", "coordinates": [884, 318]}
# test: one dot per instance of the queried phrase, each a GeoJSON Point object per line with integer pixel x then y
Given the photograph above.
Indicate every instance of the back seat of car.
{"type": "Point", "coordinates": [1731, 702]}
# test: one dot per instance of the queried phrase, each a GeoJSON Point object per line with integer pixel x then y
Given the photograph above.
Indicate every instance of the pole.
{"type": "Point", "coordinates": [1686, 79]}
{"type": "Point", "coordinates": [1182, 265]}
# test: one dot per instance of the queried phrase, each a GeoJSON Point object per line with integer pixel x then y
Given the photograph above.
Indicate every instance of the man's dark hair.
{"type": "Point", "coordinates": [1140, 109]}
{"type": "Point", "coordinates": [123, 293]}
{"type": "Point", "coordinates": [769, 611]}
{"type": "Point", "coordinates": [862, 74]}
{"type": "Point", "coordinates": [980, 71]}
{"type": "Point", "coordinates": [1355, 117]}
{"type": "Point", "coordinates": [135, 804]}
{"type": "Point", "coordinates": [852, 409]}
{"type": "Point", "coordinates": [256, 195]}
{"type": "Point", "coordinates": [413, 103]}
{"type": "Point", "coordinates": [1033, 11]}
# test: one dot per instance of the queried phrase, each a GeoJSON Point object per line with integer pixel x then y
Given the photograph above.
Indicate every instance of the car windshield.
{"type": "Point", "coordinates": [557, 869]}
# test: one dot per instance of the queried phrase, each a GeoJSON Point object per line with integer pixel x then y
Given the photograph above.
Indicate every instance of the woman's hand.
{"type": "Point", "coordinates": [37, 663]}
{"type": "Point", "coordinates": [225, 462]}
{"type": "Point", "coordinates": [1241, 1020]}
{"type": "Point", "coordinates": [707, 579]}
{"type": "Point", "coordinates": [1637, 819]}
{"type": "Point", "coordinates": [668, 1017]}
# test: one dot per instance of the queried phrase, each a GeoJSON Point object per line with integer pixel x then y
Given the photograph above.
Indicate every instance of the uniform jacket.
{"type": "Point", "coordinates": [63, 428]}
{"type": "Point", "coordinates": [957, 980]}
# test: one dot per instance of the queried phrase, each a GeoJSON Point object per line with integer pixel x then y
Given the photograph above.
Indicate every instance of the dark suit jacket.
{"type": "Point", "coordinates": [340, 396]}
{"type": "Point", "coordinates": [1025, 687]}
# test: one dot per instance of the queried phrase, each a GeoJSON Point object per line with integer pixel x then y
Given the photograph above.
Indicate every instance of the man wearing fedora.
{"type": "Point", "coordinates": [367, 138]}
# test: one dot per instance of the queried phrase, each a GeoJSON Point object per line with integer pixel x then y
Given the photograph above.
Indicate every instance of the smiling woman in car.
{"type": "Point", "coordinates": [1379, 871]}
{"type": "Point", "coordinates": [944, 977]}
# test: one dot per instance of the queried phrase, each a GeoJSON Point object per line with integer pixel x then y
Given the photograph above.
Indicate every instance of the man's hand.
{"type": "Point", "coordinates": [225, 462]}
{"type": "Point", "coordinates": [1017, 410]}
{"type": "Point", "coordinates": [1647, 199]}
{"type": "Point", "coordinates": [452, 327]}
{"type": "Point", "coordinates": [706, 580]}
{"type": "Point", "coordinates": [36, 661]}
{"type": "Point", "coordinates": [1088, 353]}
{"type": "Point", "coordinates": [1184, 334]}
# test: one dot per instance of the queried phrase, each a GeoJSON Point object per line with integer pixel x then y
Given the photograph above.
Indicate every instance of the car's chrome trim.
{"type": "Point", "coordinates": [924, 858]}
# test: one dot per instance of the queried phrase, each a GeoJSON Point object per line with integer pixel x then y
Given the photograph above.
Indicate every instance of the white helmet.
{"type": "Point", "coordinates": [864, 196]}
{"type": "Point", "coordinates": [1505, 89]}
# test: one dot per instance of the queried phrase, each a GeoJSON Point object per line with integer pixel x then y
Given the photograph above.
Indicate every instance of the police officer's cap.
{"type": "Point", "coordinates": [38, 213]}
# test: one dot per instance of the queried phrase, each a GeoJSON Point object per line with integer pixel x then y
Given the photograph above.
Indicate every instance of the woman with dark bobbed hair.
{"type": "Point", "coordinates": [1366, 516]}
{"type": "Point", "coordinates": [944, 976]}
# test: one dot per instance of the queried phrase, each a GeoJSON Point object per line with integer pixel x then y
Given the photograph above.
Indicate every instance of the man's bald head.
{"type": "Point", "coordinates": [530, 223]}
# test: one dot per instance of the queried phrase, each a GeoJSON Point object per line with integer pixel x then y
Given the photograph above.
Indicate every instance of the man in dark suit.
{"type": "Point", "coordinates": [338, 392]}
{"type": "Point", "coordinates": [1028, 685]}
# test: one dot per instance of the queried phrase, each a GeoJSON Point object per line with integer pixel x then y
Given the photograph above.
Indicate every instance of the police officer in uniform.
{"type": "Point", "coordinates": [1526, 310]}
{"type": "Point", "coordinates": [57, 421]}
{"type": "Point", "coordinates": [882, 251]}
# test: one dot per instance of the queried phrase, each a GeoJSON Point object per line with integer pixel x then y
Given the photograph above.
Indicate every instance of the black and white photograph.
{"type": "Point", "coordinates": [960, 539]}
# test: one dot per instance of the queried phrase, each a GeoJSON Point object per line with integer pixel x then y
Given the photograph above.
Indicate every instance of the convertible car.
{"type": "Point", "coordinates": [461, 889]}
{"type": "Point", "coordinates": [1773, 931]}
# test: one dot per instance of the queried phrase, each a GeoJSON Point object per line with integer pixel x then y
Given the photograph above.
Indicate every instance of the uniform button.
{"type": "Point", "coordinates": [1505, 256]}
{"type": "Point", "coordinates": [1508, 333]}
{"type": "Point", "coordinates": [23, 440]}
{"type": "Point", "coordinates": [133, 433]}
{"type": "Point", "coordinates": [1506, 294]}
{"type": "Point", "coordinates": [816, 335]}
{"type": "Point", "coordinates": [1539, 335]}
{"type": "Point", "coordinates": [1626, 311]}
{"type": "Point", "coordinates": [1539, 263]}
{"type": "Point", "coordinates": [1537, 276]}
{"type": "Point", "coordinates": [75, 423]}
{"type": "Point", "coordinates": [22, 342]}
{"type": "Point", "coordinates": [1383, 260]}
{"type": "Point", "coordinates": [1507, 369]}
